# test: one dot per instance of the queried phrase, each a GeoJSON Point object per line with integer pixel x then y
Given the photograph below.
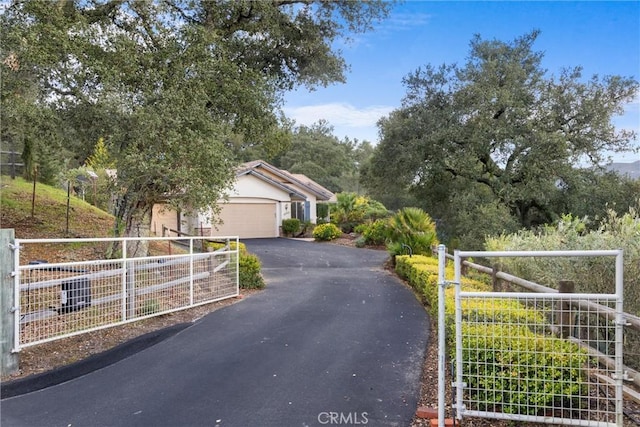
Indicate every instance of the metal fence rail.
{"type": "Point", "coordinates": [65, 298]}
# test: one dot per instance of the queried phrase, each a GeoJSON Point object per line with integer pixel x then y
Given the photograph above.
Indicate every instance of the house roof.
{"type": "Point", "coordinates": [292, 192]}
{"type": "Point", "coordinates": [311, 183]}
{"type": "Point", "coordinates": [287, 179]}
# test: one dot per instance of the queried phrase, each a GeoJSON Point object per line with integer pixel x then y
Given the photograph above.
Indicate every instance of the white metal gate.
{"type": "Point", "coordinates": [538, 357]}
{"type": "Point", "coordinates": [61, 298]}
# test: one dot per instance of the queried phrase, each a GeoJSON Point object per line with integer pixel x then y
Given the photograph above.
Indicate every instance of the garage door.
{"type": "Point", "coordinates": [248, 220]}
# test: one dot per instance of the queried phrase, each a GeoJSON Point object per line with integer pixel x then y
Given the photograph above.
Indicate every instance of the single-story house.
{"type": "Point", "coordinates": [260, 199]}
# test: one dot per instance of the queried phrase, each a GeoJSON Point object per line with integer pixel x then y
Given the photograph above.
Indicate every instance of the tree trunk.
{"type": "Point", "coordinates": [132, 219]}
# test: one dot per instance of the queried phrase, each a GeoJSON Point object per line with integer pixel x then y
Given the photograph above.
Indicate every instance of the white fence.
{"type": "Point", "coordinates": [64, 297]}
{"type": "Point", "coordinates": [535, 356]}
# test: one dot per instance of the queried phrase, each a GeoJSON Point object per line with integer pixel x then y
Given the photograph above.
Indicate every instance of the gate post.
{"type": "Point", "coordinates": [10, 361]}
{"type": "Point", "coordinates": [441, 333]}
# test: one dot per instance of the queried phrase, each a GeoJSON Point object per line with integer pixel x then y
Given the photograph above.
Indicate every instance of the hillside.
{"type": "Point", "coordinates": [49, 221]}
{"type": "Point", "coordinates": [50, 212]}
{"type": "Point", "coordinates": [632, 170]}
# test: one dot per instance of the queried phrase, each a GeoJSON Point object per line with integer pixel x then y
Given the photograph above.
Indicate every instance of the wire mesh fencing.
{"type": "Point", "coordinates": [550, 357]}
{"type": "Point", "coordinates": [534, 357]}
{"type": "Point", "coordinates": [68, 297]}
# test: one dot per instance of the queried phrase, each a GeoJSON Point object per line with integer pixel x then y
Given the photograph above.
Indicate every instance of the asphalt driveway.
{"type": "Point", "coordinates": [333, 340]}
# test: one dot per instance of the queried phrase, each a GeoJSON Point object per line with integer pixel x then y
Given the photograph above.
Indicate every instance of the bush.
{"type": "Point", "coordinates": [360, 242]}
{"type": "Point", "coordinates": [249, 264]}
{"type": "Point", "coordinates": [376, 233]}
{"type": "Point", "coordinates": [325, 232]}
{"type": "Point", "coordinates": [361, 228]}
{"type": "Point", "coordinates": [413, 228]}
{"type": "Point", "coordinates": [590, 274]}
{"type": "Point", "coordinates": [290, 227]}
{"type": "Point", "coordinates": [351, 210]}
{"type": "Point", "coordinates": [250, 277]}
{"type": "Point", "coordinates": [509, 361]}
{"type": "Point", "coordinates": [322, 213]}
{"type": "Point", "coordinates": [520, 371]}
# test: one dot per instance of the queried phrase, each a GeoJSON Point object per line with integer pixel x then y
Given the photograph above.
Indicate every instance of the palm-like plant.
{"type": "Point", "coordinates": [411, 230]}
{"type": "Point", "coordinates": [349, 211]}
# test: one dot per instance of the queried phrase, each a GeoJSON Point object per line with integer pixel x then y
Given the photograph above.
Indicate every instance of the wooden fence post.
{"type": "Point", "coordinates": [495, 281]}
{"type": "Point", "coordinates": [10, 359]}
{"type": "Point", "coordinates": [564, 308]}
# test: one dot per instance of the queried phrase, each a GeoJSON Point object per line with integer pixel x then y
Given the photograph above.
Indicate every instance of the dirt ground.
{"type": "Point", "coordinates": [44, 357]}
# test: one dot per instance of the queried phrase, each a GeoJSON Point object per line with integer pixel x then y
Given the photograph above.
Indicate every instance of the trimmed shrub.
{"type": "Point", "coordinates": [250, 277]}
{"type": "Point", "coordinates": [508, 363]}
{"type": "Point", "coordinates": [511, 367]}
{"type": "Point", "coordinates": [249, 264]}
{"type": "Point", "coordinates": [290, 227]}
{"type": "Point", "coordinates": [325, 232]}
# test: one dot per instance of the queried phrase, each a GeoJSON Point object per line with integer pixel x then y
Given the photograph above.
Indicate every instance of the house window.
{"type": "Point", "coordinates": [297, 210]}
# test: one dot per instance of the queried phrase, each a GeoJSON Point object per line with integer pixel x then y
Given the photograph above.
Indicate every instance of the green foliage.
{"type": "Point", "coordinates": [590, 274]}
{"type": "Point", "coordinates": [360, 228]}
{"type": "Point", "coordinates": [290, 227]}
{"type": "Point", "coordinates": [502, 135]}
{"type": "Point", "coordinates": [348, 211]}
{"type": "Point", "coordinates": [376, 232]}
{"type": "Point", "coordinates": [100, 158]}
{"type": "Point", "coordinates": [352, 210]}
{"type": "Point", "coordinates": [318, 154]}
{"type": "Point", "coordinates": [249, 264]}
{"type": "Point", "coordinates": [250, 277]}
{"type": "Point", "coordinates": [475, 216]}
{"type": "Point", "coordinates": [507, 362]}
{"type": "Point", "coordinates": [100, 192]}
{"type": "Point", "coordinates": [414, 228]}
{"type": "Point", "coordinates": [50, 210]}
{"type": "Point", "coordinates": [324, 232]}
{"type": "Point", "coordinates": [528, 370]}
{"type": "Point", "coordinates": [214, 246]}
{"type": "Point", "coordinates": [322, 213]}
{"type": "Point", "coordinates": [185, 105]}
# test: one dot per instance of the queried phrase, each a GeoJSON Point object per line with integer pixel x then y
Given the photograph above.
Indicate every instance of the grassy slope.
{"type": "Point", "coordinates": [50, 213]}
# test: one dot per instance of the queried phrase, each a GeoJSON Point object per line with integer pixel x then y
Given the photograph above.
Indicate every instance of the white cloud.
{"type": "Point", "coordinates": [403, 21]}
{"type": "Point", "coordinates": [347, 120]}
{"type": "Point", "coordinates": [338, 114]}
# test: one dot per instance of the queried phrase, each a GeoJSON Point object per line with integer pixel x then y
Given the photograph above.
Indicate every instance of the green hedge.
{"type": "Point", "coordinates": [507, 365]}
{"type": "Point", "coordinates": [510, 366]}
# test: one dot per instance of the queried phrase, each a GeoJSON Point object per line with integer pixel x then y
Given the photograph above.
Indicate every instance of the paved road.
{"type": "Point", "coordinates": [333, 340]}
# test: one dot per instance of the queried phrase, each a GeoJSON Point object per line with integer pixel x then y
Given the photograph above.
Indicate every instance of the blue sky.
{"type": "Point", "coordinates": [602, 37]}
